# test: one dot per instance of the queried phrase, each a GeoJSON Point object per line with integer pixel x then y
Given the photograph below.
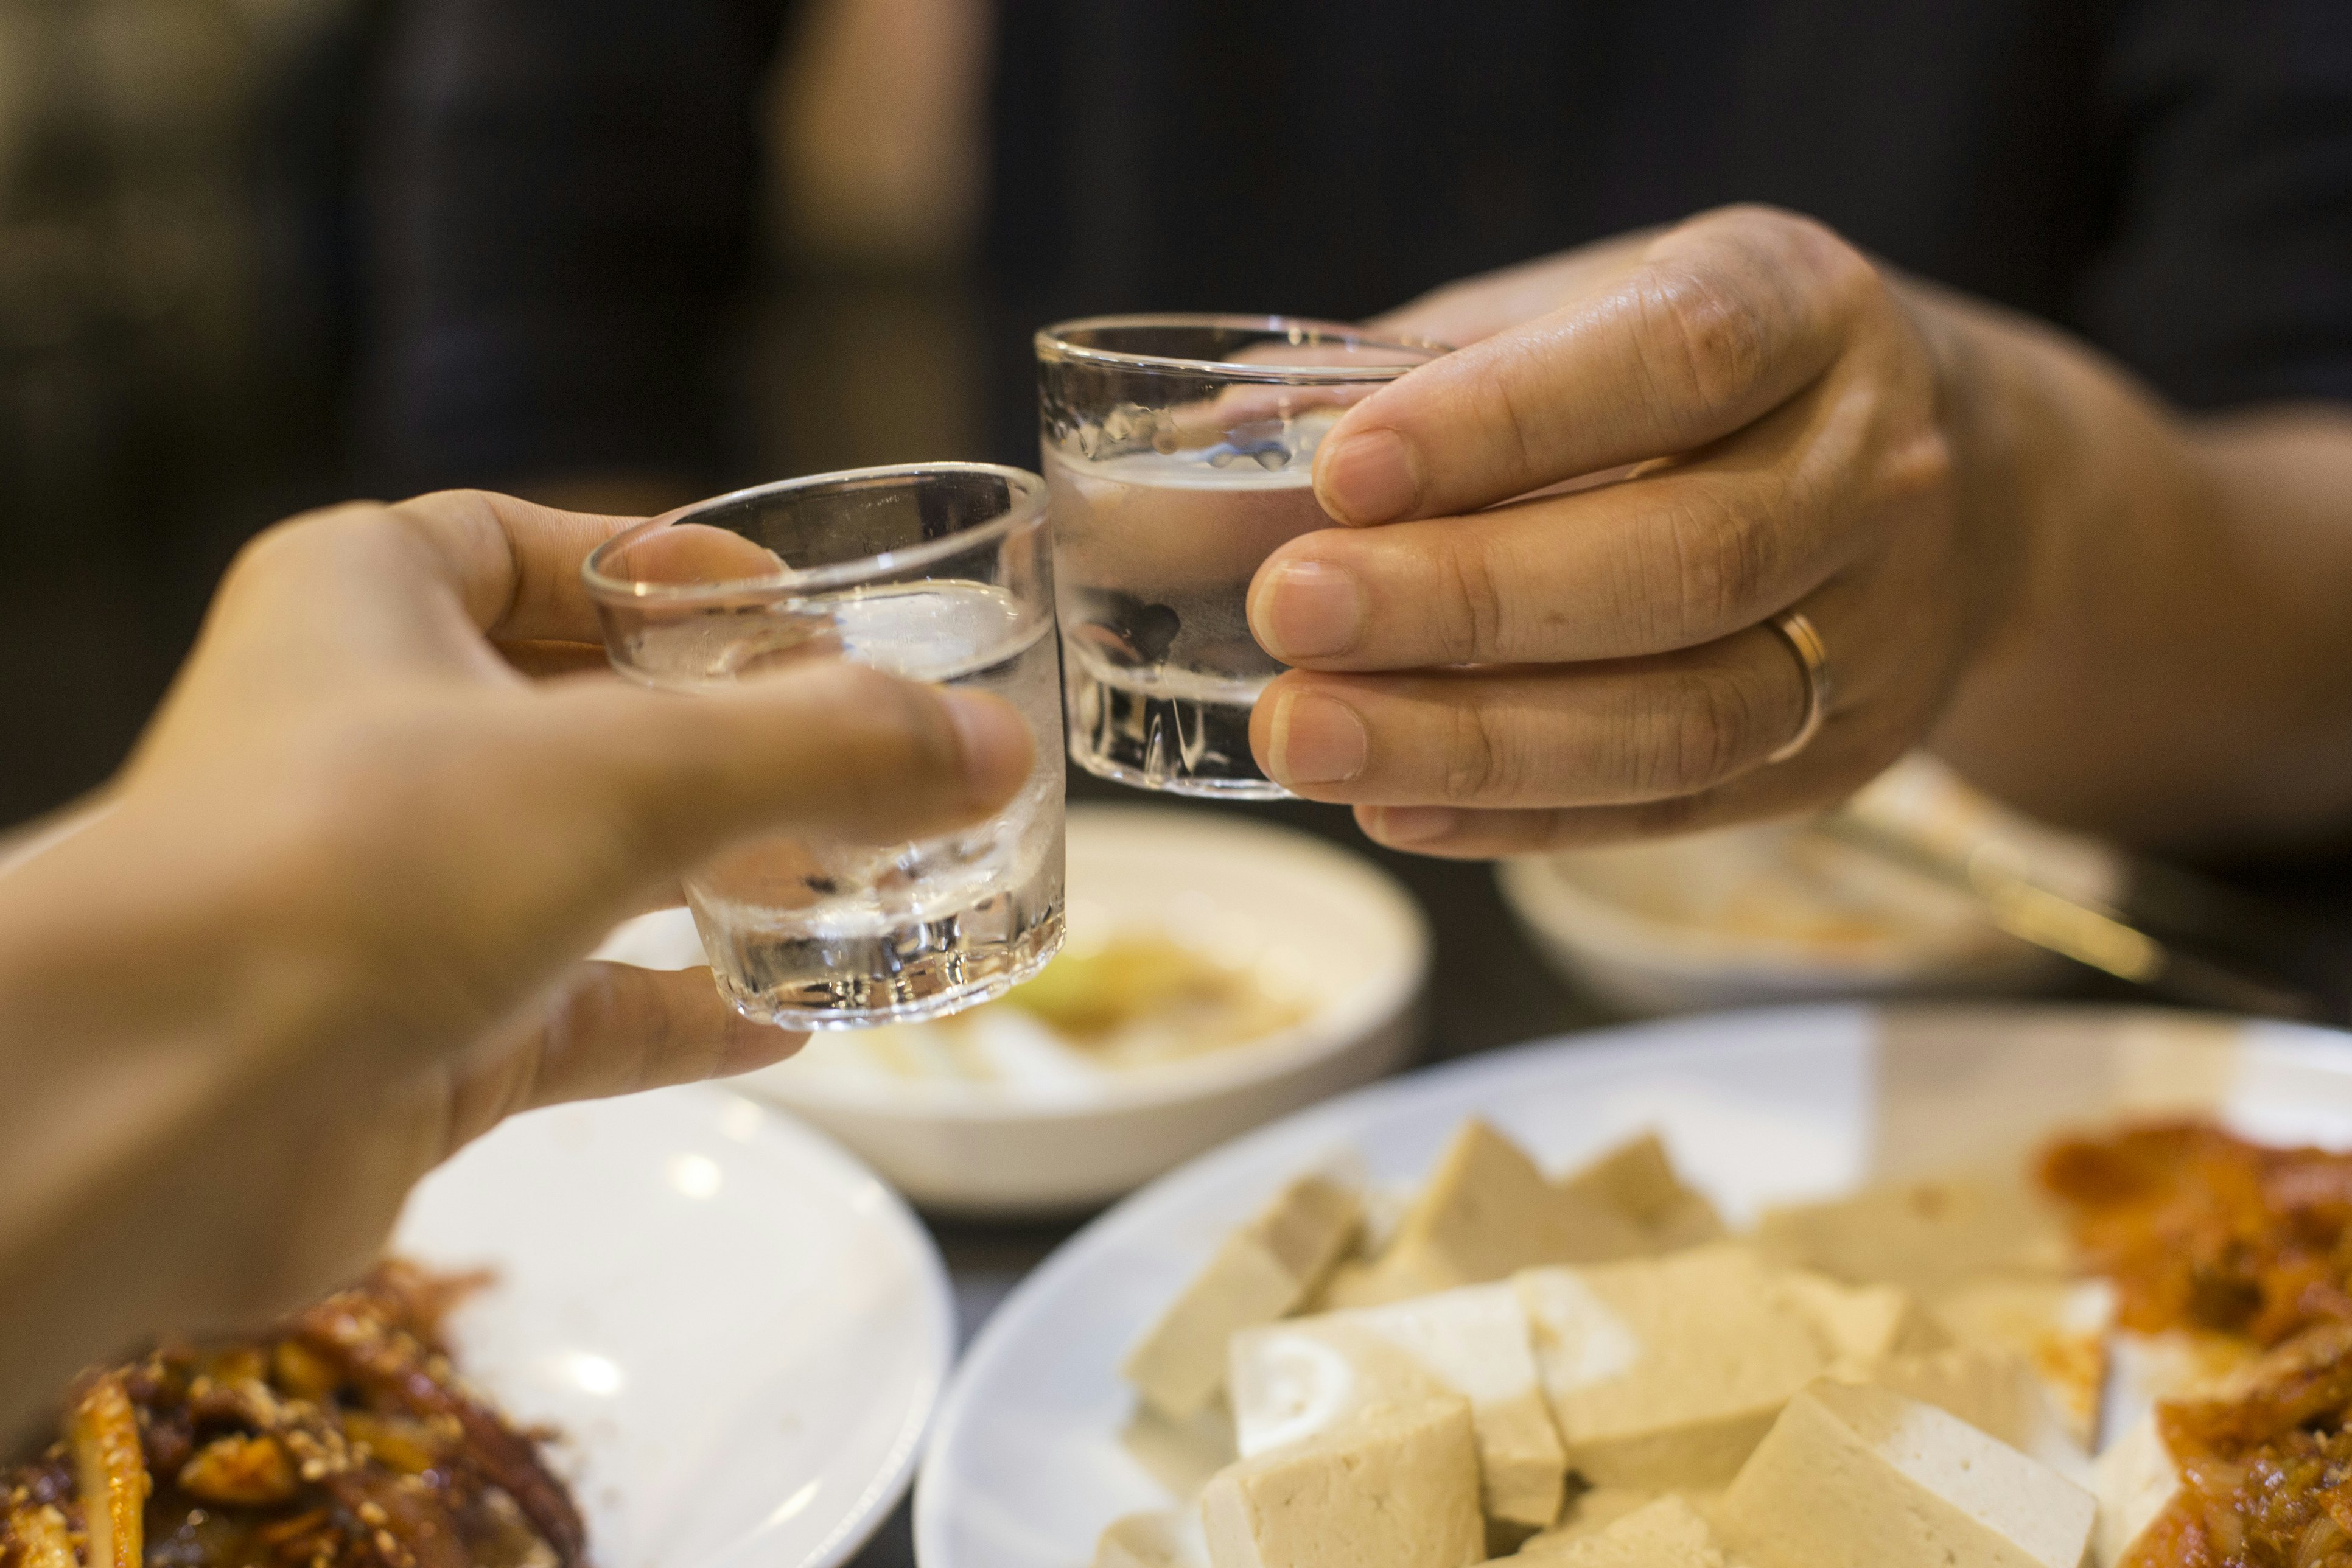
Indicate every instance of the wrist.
{"type": "Point", "coordinates": [125, 928]}
{"type": "Point", "coordinates": [163, 1077]}
{"type": "Point", "coordinates": [1993, 414]}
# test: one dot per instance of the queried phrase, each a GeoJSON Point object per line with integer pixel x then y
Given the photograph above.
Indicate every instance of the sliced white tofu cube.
{"type": "Point", "coordinates": [1638, 1179]}
{"type": "Point", "coordinates": [1487, 1212]}
{"type": "Point", "coordinates": [1989, 1387]}
{"type": "Point", "coordinates": [1395, 1488]}
{"type": "Point", "coordinates": [1994, 1390]}
{"type": "Point", "coordinates": [2061, 1326]}
{"type": "Point", "coordinates": [1588, 1513]}
{"type": "Point", "coordinates": [1857, 1477]}
{"type": "Point", "coordinates": [1667, 1533]}
{"type": "Point", "coordinates": [1294, 1379]}
{"type": "Point", "coordinates": [1180, 1455]}
{"type": "Point", "coordinates": [1172, 1538]}
{"type": "Point", "coordinates": [1862, 1325]}
{"type": "Point", "coordinates": [1263, 1272]}
{"type": "Point", "coordinates": [1664, 1374]}
{"type": "Point", "coordinates": [1924, 1234]}
{"type": "Point", "coordinates": [2136, 1480]}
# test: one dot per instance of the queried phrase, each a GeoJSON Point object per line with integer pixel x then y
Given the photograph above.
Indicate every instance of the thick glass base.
{"type": "Point", "coordinates": [1181, 784]}
{"type": "Point", "coordinates": [932, 985]}
{"type": "Point", "coordinates": [1137, 730]}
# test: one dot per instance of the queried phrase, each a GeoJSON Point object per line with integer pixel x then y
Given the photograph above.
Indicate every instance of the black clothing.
{"type": "Point", "coordinates": [559, 211]}
{"type": "Point", "coordinates": [562, 192]}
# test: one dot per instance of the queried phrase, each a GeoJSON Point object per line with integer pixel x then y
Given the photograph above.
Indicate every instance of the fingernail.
{"type": "Point", "coordinates": [1305, 609]}
{"type": "Point", "coordinates": [1417, 824]}
{"type": "Point", "coordinates": [1370, 478]}
{"type": "Point", "coordinates": [1317, 740]}
{"type": "Point", "coordinates": [997, 750]}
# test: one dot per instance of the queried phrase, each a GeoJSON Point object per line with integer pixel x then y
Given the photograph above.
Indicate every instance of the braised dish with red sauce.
{"type": "Point", "coordinates": [2266, 1475]}
{"type": "Point", "coordinates": [342, 1438]}
{"type": "Point", "coordinates": [2203, 1231]}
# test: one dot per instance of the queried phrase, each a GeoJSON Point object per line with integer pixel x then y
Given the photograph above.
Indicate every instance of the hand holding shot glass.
{"type": "Point", "coordinates": [1180, 452]}
{"type": "Point", "coordinates": [938, 572]}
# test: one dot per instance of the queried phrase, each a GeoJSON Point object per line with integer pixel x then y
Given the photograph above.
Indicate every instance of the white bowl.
{"type": "Point", "coordinates": [1349, 933]}
{"type": "Point", "coordinates": [1747, 916]}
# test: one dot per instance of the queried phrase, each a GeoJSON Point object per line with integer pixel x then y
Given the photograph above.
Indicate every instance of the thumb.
{"type": "Point", "coordinates": [525, 839]}
{"type": "Point", "coordinates": [830, 750]}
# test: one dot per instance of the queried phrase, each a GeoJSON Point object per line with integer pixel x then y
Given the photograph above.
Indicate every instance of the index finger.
{"type": "Point", "coordinates": [1477, 308]}
{"type": "Point", "coordinates": [1726, 318]}
{"type": "Point", "coordinates": [514, 564]}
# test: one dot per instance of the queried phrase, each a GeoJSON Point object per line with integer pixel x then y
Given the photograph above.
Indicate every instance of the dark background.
{"type": "Point", "coordinates": [184, 270]}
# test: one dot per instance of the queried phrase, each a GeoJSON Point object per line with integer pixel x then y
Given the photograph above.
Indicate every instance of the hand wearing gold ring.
{"type": "Point", "coordinates": [1768, 460]}
{"type": "Point", "coordinates": [1814, 657]}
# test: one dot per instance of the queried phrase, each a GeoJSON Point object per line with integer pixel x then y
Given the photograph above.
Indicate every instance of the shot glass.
{"type": "Point", "coordinates": [1181, 451]}
{"type": "Point", "coordinates": [937, 571]}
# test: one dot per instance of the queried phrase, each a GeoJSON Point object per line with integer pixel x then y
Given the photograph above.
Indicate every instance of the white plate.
{"type": "Point", "coordinates": [739, 1332]}
{"type": "Point", "coordinates": [1026, 1466]}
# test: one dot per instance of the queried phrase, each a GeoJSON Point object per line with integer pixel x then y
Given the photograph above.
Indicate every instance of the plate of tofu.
{"type": "Point", "coordinates": [1775, 1289]}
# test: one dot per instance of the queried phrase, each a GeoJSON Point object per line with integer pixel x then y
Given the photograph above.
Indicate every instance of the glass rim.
{"type": "Point", "coordinates": [1028, 507]}
{"type": "Point", "coordinates": [1052, 343]}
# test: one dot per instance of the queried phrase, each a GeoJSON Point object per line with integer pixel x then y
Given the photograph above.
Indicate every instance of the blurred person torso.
{"type": "Point", "coordinates": [2169, 178]}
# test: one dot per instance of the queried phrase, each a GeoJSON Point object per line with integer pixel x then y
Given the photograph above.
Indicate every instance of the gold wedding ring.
{"type": "Point", "coordinates": [1814, 654]}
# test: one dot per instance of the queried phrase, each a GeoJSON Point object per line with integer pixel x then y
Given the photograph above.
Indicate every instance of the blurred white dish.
{"type": "Point", "coordinates": [1027, 1464]}
{"type": "Point", "coordinates": [738, 1330]}
{"type": "Point", "coordinates": [1051, 1129]}
{"type": "Point", "coordinates": [1777, 912]}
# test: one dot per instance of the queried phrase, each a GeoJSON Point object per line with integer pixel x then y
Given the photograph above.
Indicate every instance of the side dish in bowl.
{"type": "Point", "coordinates": [1785, 911]}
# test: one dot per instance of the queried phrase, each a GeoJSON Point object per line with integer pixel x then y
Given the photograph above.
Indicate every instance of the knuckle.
{"type": "Point", "coordinates": [1760, 277]}
{"type": "Point", "coordinates": [898, 722]}
{"type": "Point", "coordinates": [1705, 344]}
{"type": "Point", "coordinates": [1802, 250]}
{"type": "Point", "coordinates": [1521, 424]}
{"type": "Point", "coordinates": [1833, 265]}
{"type": "Point", "coordinates": [286, 545]}
{"type": "Point", "coordinates": [1480, 758]}
{"type": "Point", "coordinates": [1723, 555]}
{"type": "Point", "coordinates": [1710, 726]}
{"type": "Point", "coordinates": [624, 806]}
{"type": "Point", "coordinates": [638, 795]}
{"type": "Point", "coordinates": [459, 531]}
{"type": "Point", "coordinates": [1850, 281]}
{"type": "Point", "coordinates": [257, 561]}
{"type": "Point", "coordinates": [442, 517]}
{"type": "Point", "coordinates": [1474, 609]}
{"type": "Point", "coordinates": [1920, 466]}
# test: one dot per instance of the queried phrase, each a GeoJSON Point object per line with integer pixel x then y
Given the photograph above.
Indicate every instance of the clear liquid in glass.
{"type": "Point", "coordinates": [813, 935]}
{"type": "Point", "coordinates": [1153, 554]}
